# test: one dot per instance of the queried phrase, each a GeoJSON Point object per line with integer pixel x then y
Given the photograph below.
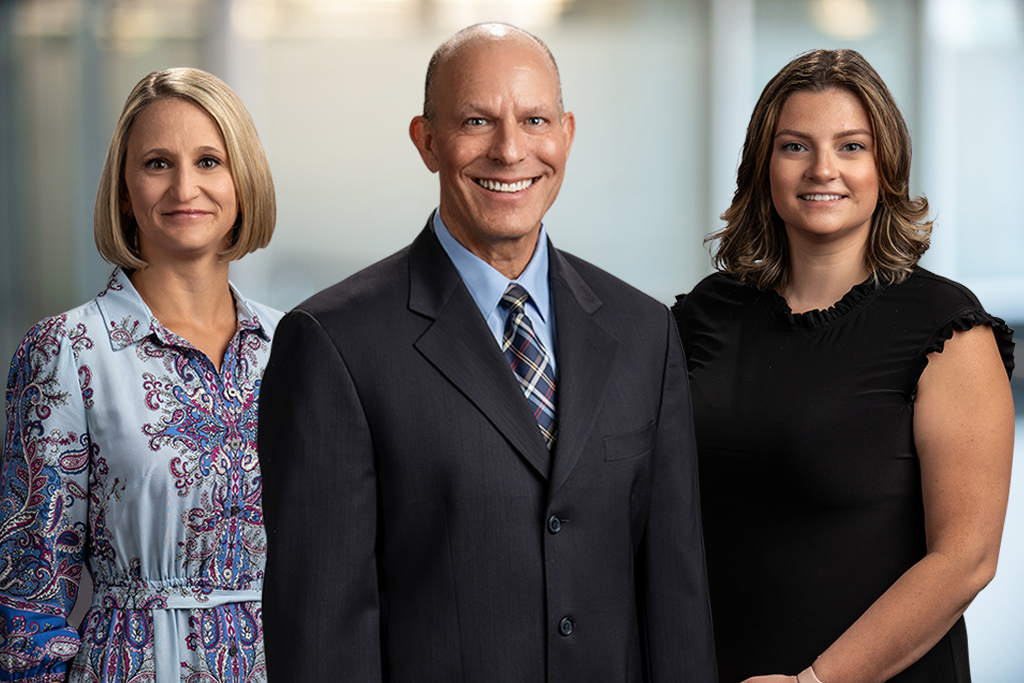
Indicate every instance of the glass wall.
{"type": "Point", "coordinates": [661, 89]}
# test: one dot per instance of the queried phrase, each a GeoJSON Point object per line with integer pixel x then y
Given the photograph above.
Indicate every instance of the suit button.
{"type": "Point", "coordinates": [554, 524]}
{"type": "Point", "coordinates": [566, 627]}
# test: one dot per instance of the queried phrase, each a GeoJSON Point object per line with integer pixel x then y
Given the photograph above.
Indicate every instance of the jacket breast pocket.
{"type": "Point", "coordinates": [631, 444]}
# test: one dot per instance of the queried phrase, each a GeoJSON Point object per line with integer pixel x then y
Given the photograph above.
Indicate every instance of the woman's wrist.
{"type": "Point", "coordinates": [807, 676]}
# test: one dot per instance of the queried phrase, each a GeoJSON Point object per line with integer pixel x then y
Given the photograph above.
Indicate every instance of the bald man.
{"type": "Point", "coordinates": [477, 454]}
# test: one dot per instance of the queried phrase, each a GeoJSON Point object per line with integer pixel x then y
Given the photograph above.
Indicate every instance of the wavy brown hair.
{"type": "Point", "coordinates": [753, 245]}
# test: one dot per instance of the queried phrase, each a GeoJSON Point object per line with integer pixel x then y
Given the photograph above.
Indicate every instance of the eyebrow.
{"type": "Point", "coordinates": [205, 149]}
{"type": "Point", "coordinates": [477, 109]}
{"type": "Point", "coordinates": [837, 136]}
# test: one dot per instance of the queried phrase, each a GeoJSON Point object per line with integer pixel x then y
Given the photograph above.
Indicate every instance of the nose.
{"type": "Point", "coordinates": [509, 142]}
{"type": "Point", "coordinates": [823, 166]}
{"type": "Point", "coordinates": [183, 186]}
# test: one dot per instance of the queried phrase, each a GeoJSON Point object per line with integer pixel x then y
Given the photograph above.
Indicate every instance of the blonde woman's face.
{"type": "Point", "coordinates": [179, 182]}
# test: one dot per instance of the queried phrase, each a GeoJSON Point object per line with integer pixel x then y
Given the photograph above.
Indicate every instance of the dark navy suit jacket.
{"type": "Point", "coordinates": [418, 528]}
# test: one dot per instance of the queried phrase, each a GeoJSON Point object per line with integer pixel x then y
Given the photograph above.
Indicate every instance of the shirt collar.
{"type": "Point", "coordinates": [486, 284]}
{"type": "Point", "coordinates": [128, 319]}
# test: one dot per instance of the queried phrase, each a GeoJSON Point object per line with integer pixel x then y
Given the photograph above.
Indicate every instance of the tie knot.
{"type": "Point", "coordinates": [515, 297]}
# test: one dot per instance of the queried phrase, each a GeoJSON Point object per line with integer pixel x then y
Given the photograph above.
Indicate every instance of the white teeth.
{"type": "Point", "coordinates": [820, 197]}
{"type": "Point", "coordinates": [495, 186]}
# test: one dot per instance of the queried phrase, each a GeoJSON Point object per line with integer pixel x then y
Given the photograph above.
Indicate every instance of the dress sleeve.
{"type": "Point", "coordinates": [966, 319]}
{"type": "Point", "coordinates": [43, 503]}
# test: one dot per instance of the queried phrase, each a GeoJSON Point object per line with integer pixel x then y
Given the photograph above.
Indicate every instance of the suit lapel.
{"type": "Point", "coordinates": [585, 353]}
{"type": "Point", "coordinates": [460, 345]}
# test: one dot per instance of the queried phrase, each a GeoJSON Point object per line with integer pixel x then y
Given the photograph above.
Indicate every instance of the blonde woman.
{"type": "Point", "coordinates": [131, 439]}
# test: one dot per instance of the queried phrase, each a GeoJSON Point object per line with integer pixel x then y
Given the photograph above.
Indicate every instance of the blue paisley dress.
{"type": "Point", "coordinates": [129, 452]}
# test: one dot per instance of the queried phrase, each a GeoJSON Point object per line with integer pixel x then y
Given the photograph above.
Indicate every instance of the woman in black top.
{"type": "Point", "coordinates": [853, 411]}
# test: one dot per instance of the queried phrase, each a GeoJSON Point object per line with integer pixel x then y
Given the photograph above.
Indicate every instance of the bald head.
{"type": "Point", "coordinates": [473, 36]}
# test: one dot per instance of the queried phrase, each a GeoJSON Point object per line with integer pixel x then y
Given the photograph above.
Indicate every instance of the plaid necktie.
{"type": "Point", "coordinates": [529, 361]}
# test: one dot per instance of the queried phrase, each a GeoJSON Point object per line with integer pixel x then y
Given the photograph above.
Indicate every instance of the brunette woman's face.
{"type": "Point", "coordinates": [823, 173]}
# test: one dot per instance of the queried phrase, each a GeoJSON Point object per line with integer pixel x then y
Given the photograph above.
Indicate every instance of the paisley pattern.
{"type": "Point", "coordinates": [127, 451]}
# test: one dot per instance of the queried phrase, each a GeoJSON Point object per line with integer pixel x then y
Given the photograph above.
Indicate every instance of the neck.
{"type": "Point", "coordinates": [193, 301]}
{"type": "Point", "coordinates": [509, 260]}
{"type": "Point", "coordinates": [185, 291]}
{"type": "Point", "coordinates": [509, 255]}
{"type": "Point", "coordinates": [819, 277]}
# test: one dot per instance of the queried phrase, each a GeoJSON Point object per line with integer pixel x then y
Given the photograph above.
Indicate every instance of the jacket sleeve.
{"type": "Point", "coordinates": [676, 609]}
{"type": "Point", "coordinates": [320, 599]}
{"type": "Point", "coordinates": [43, 504]}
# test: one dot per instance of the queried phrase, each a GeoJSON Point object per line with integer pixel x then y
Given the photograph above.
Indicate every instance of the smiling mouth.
{"type": "Point", "coordinates": [820, 197]}
{"type": "Point", "coordinates": [497, 186]}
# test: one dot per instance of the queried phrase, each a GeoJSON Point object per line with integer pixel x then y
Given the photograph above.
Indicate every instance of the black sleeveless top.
{"type": "Point", "coordinates": [809, 479]}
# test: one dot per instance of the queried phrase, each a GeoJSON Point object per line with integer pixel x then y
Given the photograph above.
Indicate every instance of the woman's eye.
{"type": "Point", "coordinates": [156, 165]}
{"type": "Point", "coordinates": [853, 147]}
{"type": "Point", "coordinates": [208, 163]}
{"type": "Point", "coordinates": [792, 147]}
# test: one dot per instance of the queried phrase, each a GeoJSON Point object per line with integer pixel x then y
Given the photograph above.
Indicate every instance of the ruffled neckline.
{"type": "Point", "coordinates": [853, 300]}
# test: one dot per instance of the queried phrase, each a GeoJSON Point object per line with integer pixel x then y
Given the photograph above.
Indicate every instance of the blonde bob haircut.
{"type": "Point", "coordinates": [753, 246]}
{"type": "Point", "coordinates": [116, 232]}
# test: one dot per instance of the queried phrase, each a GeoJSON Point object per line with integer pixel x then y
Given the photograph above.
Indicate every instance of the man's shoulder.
{"type": "Point", "coordinates": [369, 289]}
{"type": "Point", "coordinates": [609, 289]}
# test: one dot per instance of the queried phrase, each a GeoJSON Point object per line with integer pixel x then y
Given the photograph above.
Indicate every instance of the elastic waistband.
{"type": "Point", "coordinates": [185, 595]}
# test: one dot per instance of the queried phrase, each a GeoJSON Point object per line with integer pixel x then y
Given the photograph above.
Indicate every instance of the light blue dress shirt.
{"type": "Point", "coordinates": [486, 285]}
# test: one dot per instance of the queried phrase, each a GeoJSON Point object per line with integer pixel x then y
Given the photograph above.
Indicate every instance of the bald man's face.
{"type": "Point", "coordinates": [497, 141]}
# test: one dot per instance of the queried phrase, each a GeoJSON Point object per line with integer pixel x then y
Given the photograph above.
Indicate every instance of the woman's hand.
{"type": "Point", "coordinates": [771, 678]}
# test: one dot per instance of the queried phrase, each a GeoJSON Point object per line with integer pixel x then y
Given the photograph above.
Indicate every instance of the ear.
{"type": "Point", "coordinates": [423, 136]}
{"type": "Point", "coordinates": [568, 130]}
{"type": "Point", "coordinates": [124, 204]}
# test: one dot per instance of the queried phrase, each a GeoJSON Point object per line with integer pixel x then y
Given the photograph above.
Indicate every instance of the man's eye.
{"type": "Point", "coordinates": [474, 121]}
{"type": "Point", "coordinates": [534, 121]}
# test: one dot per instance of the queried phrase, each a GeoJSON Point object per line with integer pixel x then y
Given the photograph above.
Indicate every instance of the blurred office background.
{"type": "Point", "coordinates": [661, 89]}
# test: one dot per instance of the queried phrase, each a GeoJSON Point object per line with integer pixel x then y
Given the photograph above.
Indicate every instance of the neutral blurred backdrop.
{"type": "Point", "coordinates": [662, 91]}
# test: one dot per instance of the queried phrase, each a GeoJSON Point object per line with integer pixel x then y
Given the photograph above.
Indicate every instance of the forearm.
{"type": "Point", "coordinates": [905, 622]}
